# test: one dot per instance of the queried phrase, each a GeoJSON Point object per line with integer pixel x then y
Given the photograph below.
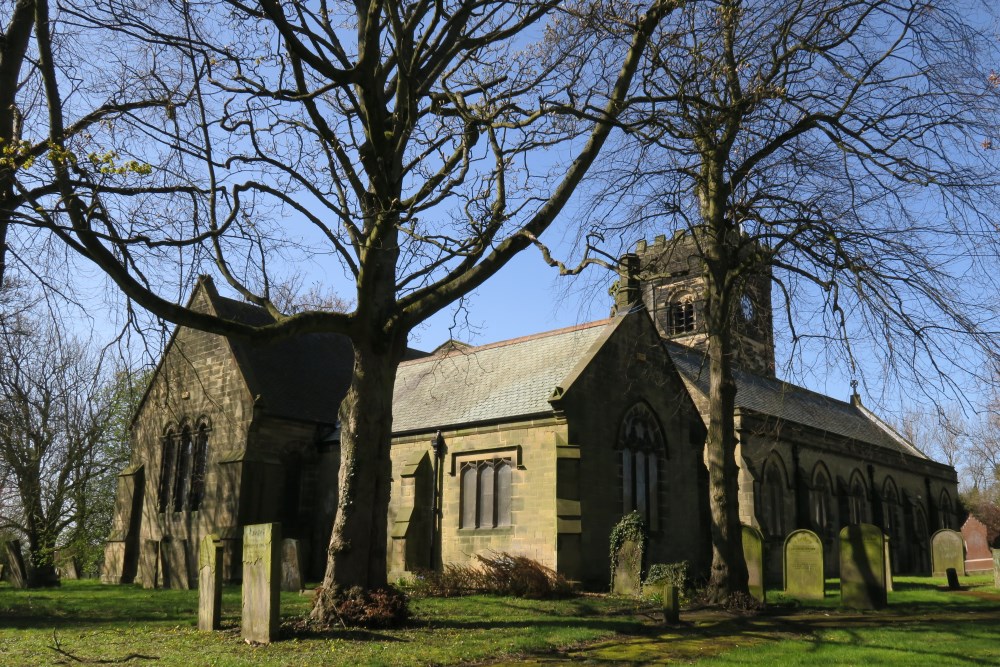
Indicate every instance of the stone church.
{"type": "Point", "coordinates": [535, 446]}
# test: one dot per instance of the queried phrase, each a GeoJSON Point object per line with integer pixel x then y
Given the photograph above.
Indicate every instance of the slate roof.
{"type": "Point", "coordinates": [790, 403]}
{"type": "Point", "coordinates": [304, 377]}
{"type": "Point", "coordinates": [513, 378]}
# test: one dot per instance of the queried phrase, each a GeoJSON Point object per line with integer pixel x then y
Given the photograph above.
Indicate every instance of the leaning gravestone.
{"type": "Point", "coordinates": [753, 553]}
{"type": "Point", "coordinates": [862, 567]}
{"type": "Point", "coordinates": [628, 572]}
{"type": "Point", "coordinates": [978, 559]}
{"type": "Point", "coordinates": [291, 565]}
{"type": "Point", "coordinates": [16, 572]}
{"type": "Point", "coordinates": [210, 583]}
{"type": "Point", "coordinates": [804, 565]}
{"type": "Point", "coordinates": [947, 550]}
{"type": "Point", "coordinates": [261, 581]}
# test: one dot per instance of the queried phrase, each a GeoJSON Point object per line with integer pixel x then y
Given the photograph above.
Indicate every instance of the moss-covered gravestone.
{"type": "Point", "coordinates": [862, 567]}
{"type": "Point", "coordinates": [804, 565]}
{"type": "Point", "coordinates": [628, 569]}
{"type": "Point", "coordinates": [210, 583]}
{"type": "Point", "coordinates": [17, 575]}
{"type": "Point", "coordinates": [261, 582]}
{"type": "Point", "coordinates": [996, 568]}
{"type": "Point", "coordinates": [753, 554]}
{"type": "Point", "coordinates": [947, 551]}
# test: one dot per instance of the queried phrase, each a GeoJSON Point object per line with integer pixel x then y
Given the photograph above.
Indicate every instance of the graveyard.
{"type": "Point", "coordinates": [84, 622]}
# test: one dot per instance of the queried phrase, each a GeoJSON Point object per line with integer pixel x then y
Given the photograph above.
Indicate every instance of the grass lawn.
{"type": "Point", "coordinates": [85, 623]}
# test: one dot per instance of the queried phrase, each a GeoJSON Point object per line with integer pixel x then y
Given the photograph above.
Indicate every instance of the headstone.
{"type": "Point", "coordinates": [149, 564]}
{"type": "Point", "coordinates": [628, 573]}
{"type": "Point", "coordinates": [292, 560]}
{"type": "Point", "coordinates": [210, 583]}
{"type": "Point", "coordinates": [261, 581]}
{"type": "Point", "coordinates": [804, 565]}
{"type": "Point", "coordinates": [952, 579]}
{"type": "Point", "coordinates": [947, 550]}
{"type": "Point", "coordinates": [996, 568]}
{"type": "Point", "coordinates": [753, 554]}
{"type": "Point", "coordinates": [671, 605]}
{"type": "Point", "coordinates": [67, 566]}
{"type": "Point", "coordinates": [174, 564]}
{"type": "Point", "coordinates": [16, 572]}
{"type": "Point", "coordinates": [978, 559]}
{"type": "Point", "coordinates": [862, 567]}
{"type": "Point", "coordinates": [888, 565]}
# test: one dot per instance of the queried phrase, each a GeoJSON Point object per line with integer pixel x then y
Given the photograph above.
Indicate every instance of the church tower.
{"type": "Point", "coordinates": [667, 276]}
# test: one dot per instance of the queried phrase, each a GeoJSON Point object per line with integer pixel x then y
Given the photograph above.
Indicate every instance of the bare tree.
{"type": "Point", "coordinates": [843, 149]}
{"type": "Point", "coordinates": [55, 418]}
{"type": "Point", "coordinates": [409, 145]}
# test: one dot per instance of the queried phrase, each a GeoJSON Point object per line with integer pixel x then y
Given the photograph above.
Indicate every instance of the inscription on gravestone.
{"type": "Point", "coordinates": [947, 551]}
{"type": "Point", "coordinates": [753, 553]}
{"type": "Point", "coordinates": [261, 582]}
{"type": "Point", "coordinates": [210, 583]}
{"type": "Point", "coordinates": [628, 573]}
{"type": "Point", "coordinates": [804, 565]}
{"type": "Point", "coordinates": [862, 567]}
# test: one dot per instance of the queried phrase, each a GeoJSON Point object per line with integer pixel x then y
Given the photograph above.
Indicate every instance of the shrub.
{"type": "Point", "coordinates": [495, 574]}
{"type": "Point", "coordinates": [379, 608]}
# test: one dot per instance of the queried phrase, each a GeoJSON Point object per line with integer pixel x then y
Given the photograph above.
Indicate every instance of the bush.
{"type": "Point", "coordinates": [379, 608]}
{"type": "Point", "coordinates": [668, 573]}
{"type": "Point", "coordinates": [495, 574]}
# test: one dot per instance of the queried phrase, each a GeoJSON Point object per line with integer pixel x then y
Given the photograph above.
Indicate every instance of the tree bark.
{"type": "Point", "coordinates": [357, 550]}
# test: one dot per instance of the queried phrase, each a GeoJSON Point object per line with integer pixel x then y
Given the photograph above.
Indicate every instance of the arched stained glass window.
{"type": "Point", "coordinates": [198, 468]}
{"type": "Point", "coordinates": [640, 440]}
{"type": "Point", "coordinates": [182, 476]}
{"type": "Point", "coordinates": [169, 449]}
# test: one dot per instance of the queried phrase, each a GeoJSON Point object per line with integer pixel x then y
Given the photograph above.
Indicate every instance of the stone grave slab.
{"type": "Point", "coordinates": [210, 583]}
{"type": "Point", "coordinates": [803, 561]}
{"type": "Point", "coordinates": [862, 567]}
{"type": "Point", "coordinates": [628, 573]}
{"type": "Point", "coordinates": [149, 564]}
{"type": "Point", "coordinates": [753, 554]}
{"type": "Point", "coordinates": [174, 564]}
{"type": "Point", "coordinates": [888, 565]}
{"type": "Point", "coordinates": [261, 582]}
{"type": "Point", "coordinates": [292, 564]}
{"type": "Point", "coordinates": [996, 568]}
{"type": "Point", "coordinates": [947, 550]}
{"type": "Point", "coordinates": [671, 605]}
{"type": "Point", "coordinates": [17, 574]}
{"type": "Point", "coordinates": [978, 559]}
{"type": "Point", "coordinates": [67, 565]}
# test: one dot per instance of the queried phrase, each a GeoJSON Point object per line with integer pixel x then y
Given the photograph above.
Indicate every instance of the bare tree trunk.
{"type": "Point", "coordinates": [357, 551]}
{"type": "Point", "coordinates": [729, 570]}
